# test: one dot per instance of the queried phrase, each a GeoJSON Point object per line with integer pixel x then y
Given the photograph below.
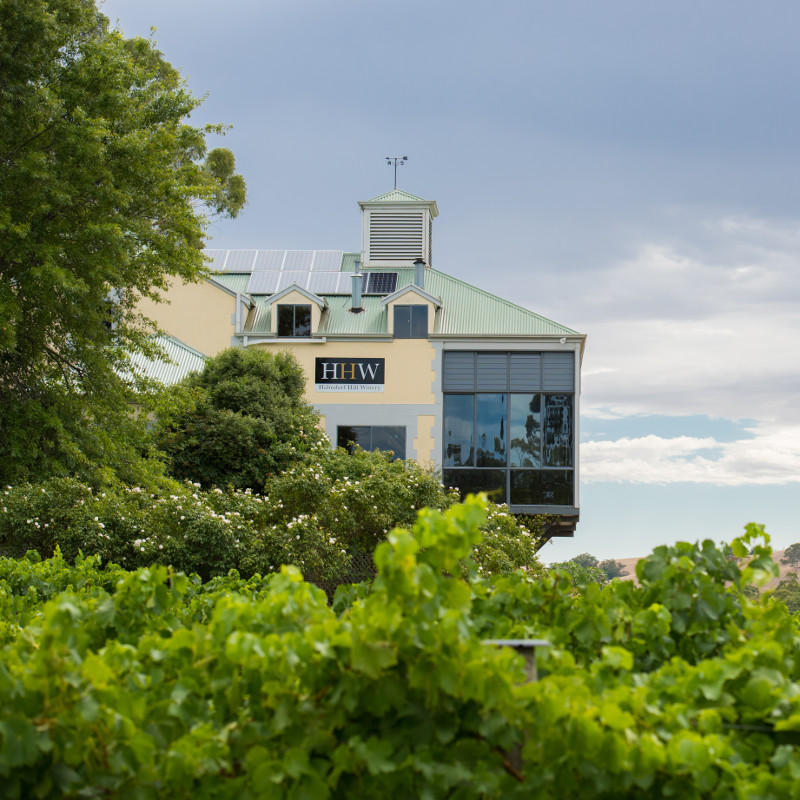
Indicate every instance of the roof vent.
{"type": "Point", "coordinates": [397, 229]}
{"type": "Point", "coordinates": [419, 273]}
{"type": "Point", "coordinates": [355, 305]}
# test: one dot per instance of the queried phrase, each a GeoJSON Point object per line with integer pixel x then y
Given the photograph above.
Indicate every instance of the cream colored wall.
{"type": "Point", "coordinates": [198, 314]}
{"type": "Point", "coordinates": [424, 442]}
{"type": "Point", "coordinates": [403, 383]}
{"type": "Point", "coordinates": [411, 298]}
{"type": "Point", "coordinates": [294, 299]}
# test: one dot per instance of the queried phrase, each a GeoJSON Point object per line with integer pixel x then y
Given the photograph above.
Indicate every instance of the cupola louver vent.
{"type": "Point", "coordinates": [396, 229]}
{"type": "Point", "coordinates": [396, 236]}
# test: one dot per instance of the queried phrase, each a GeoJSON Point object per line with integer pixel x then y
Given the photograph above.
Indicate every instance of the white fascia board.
{"type": "Point", "coordinates": [321, 302]}
{"type": "Point", "coordinates": [551, 341]}
{"type": "Point", "coordinates": [410, 287]}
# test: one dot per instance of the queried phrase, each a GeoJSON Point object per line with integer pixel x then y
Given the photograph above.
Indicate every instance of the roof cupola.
{"type": "Point", "coordinates": [397, 229]}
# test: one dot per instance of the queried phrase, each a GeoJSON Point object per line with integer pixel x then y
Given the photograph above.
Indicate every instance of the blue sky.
{"type": "Point", "coordinates": [628, 169]}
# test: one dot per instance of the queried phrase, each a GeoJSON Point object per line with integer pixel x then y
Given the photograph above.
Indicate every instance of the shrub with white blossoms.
{"type": "Point", "coordinates": [325, 515]}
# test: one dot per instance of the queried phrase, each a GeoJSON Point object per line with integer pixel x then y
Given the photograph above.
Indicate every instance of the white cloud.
{"type": "Point", "coordinates": [771, 457]}
{"type": "Point", "coordinates": [709, 325]}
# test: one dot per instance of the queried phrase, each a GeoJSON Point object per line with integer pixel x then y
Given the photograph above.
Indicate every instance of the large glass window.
{"type": "Point", "coordinates": [294, 320]}
{"type": "Point", "coordinates": [527, 439]}
{"type": "Point", "coordinates": [525, 430]}
{"type": "Point", "coordinates": [411, 322]}
{"type": "Point", "coordinates": [490, 424]}
{"type": "Point", "coordinates": [373, 437]}
{"type": "Point", "coordinates": [459, 430]}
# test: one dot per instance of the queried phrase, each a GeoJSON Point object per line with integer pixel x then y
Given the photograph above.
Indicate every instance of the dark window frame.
{"type": "Point", "coordinates": [554, 479]}
{"type": "Point", "coordinates": [415, 326]}
{"type": "Point", "coordinates": [383, 430]}
{"type": "Point", "coordinates": [296, 329]}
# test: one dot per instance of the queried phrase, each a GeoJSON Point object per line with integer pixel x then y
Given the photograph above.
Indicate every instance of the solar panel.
{"type": "Point", "coordinates": [300, 277]}
{"type": "Point", "coordinates": [381, 282]}
{"type": "Point", "coordinates": [240, 260]}
{"type": "Point", "coordinates": [323, 282]}
{"type": "Point", "coordinates": [218, 258]}
{"type": "Point", "coordinates": [298, 259]}
{"type": "Point", "coordinates": [269, 259]}
{"type": "Point", "coordinates": [264, 281]}
{"type": "Point", "coordinates": [328, 260]}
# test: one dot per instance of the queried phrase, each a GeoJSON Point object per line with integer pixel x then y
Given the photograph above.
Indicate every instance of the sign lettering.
{"type": "Point", "coordinates": [349, 374]}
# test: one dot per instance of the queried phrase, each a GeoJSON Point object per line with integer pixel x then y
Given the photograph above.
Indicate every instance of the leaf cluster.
{"type": "Point", "coordinates": [102, 189]}
{"type": "Point", "coordinates": [149, 684]}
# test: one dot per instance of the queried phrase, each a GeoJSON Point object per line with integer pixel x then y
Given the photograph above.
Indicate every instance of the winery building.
{"type": "Point", "coordinates": [400, 356]}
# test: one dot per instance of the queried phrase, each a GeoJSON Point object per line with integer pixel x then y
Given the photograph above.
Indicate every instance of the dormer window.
{"type": "Point", "coordinates": [411, 322]}
{"type": "Point", "coordinates": [294, 320]}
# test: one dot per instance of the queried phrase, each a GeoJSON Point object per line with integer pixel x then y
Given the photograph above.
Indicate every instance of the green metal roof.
{"type": "Point", "coordinates": [468, 310]}
{"type": "Point", "coordinates": [338, 319]}
{"type": "Point", "coordinates": [184, 360]}
{"type": "Point", "coordinates": [349, 261]}
{"type": "Point", "coordinates": [397, 196]}
{"type": "Point", "coordinates": [465, 311]}
{"type": "Point", "coordinates": [236, 283]}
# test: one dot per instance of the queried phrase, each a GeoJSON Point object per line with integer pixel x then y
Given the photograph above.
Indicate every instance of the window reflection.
{"type": "Point", "coordinates": [542, 487]}
{"type": "Point", "coordinates": [525, 421]}
{"type": "Point", "coordinates": [459, 424]}
{"type": "Point", "coordinates": [558, 431]}
{"type": "Point", "coordinates": [516, 443]}
{"type": "Point", "coordinates": [472, 481]}
{"type": "Point", "coordinates": [373, 437]}
{"type": "Point", "coordinates": [491, 431]}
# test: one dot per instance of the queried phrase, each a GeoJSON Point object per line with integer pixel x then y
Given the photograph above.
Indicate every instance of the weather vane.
{"type": "Point", "coordinates": [396, 160]}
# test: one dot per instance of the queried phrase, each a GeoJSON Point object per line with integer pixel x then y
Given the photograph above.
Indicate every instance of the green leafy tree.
{"type": "Point", "coordinates": [613, 569]}
{"type": "Point", "coordinates": [791, 555]}
{"type": "Point", "coordinates": [580, 576]}
{"type": "Point", "coordinates": [585, 560]}
{"type": "Point", "coordinates": [788, 592]}
{"type": "Point", "coordinates": [249, 421]}
{"type": "Point", "coordinates": [102, 190]}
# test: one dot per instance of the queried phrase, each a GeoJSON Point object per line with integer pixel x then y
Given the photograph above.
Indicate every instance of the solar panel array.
{"type": "Point", "coordinates": [317, 271]}
{"type": "Point", "coordinates": [251, 260]}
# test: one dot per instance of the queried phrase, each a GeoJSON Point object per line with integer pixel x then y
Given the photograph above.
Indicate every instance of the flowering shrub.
{"type": "Point", "coordinates": [325, 516]}
{"type": "Point", "coordinates": [129, 526]}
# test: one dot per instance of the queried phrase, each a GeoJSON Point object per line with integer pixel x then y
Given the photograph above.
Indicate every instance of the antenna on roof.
{"type": "Point", "coordinates": [401, 160]}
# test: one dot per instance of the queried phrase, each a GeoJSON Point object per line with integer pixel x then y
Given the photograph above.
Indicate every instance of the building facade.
{"type": "Point", "coordinates": [400, 356]}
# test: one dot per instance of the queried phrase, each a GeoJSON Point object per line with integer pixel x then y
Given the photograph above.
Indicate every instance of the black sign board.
{"type": "Point", "coordinates": [349, 374]}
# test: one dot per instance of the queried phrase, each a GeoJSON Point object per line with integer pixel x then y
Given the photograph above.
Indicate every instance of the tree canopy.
{"type": "Point", "coordinates": [791, 555]}
{"type": "Point", "coordinates": [102, 189]}
{"type": "Point", "coordinates": [248, 420]}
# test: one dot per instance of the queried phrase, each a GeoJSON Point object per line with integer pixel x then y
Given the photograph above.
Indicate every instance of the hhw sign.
{"type": "Point", "coordinates": [349, 374]}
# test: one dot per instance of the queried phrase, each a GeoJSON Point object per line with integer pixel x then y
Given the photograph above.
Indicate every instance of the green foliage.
{"type": "Point", "coordinates": [580, 575]}
{"type": "Point", "coordinates": [788, 592]}
{"type": "Point", "coordinates": [613, 569]}
{"type": "Point", "coordinates": [147, 684]}
{"type": "Point", "coordinates": [102, 187]}
{"type": "Point", "coordinates": [325, 517]}
{"type": "Point", "coordinates": [791, 555]}
{"type": "Point", "coordinates": [248, 421]}
{"type": "Point", "coordinates": [585, 560]}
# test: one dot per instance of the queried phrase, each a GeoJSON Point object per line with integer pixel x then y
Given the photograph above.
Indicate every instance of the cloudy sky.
{"type": "Point", "coordinates": [628, 169]}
